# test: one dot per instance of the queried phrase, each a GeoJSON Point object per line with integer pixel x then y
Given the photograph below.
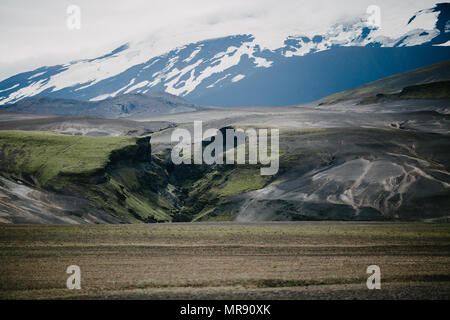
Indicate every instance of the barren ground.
{"type": "Point", "coordinates": [290, 260]}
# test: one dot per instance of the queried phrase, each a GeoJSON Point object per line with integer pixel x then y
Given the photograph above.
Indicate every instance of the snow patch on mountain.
{"type": "Point", "coordinates": [193, 54]}
{"type": "Point", "coordinates": [446, 44]}
{"type": "Point", "coordinates": [237, 78]}
{"type": "Point", "coordinates": [218, 80]}
{"type": "Point", "coordinates": [423, 19]}
{"type": "Point", "coordinates": [7, 89]}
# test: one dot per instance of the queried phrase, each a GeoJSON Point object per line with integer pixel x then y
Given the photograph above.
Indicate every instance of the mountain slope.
{"type": "Point", "coordinates": [127, 105]}
{"type": "Point", "coordinates": [432, 90]}
{"type": "Point", "coordinates": [382, 174]}
{"type": "Point", "coordinates": [308, 78]}
{"type": "Point", "coordinates": [393, 84]}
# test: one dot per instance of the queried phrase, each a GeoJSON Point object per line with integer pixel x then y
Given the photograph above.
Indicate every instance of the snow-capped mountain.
{"type": "Point", "coordinates": [196, 70]}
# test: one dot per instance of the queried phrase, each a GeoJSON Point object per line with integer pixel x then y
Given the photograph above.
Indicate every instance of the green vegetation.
{"type": "Point", "coordinates": [395, 83]}
{"type": "Point", "coordinates": [434, 90]}
{"type": "Point", "coordinates": [117, 175]}
{"type": "Point", "coordinates": [113, 173]}
{"type": "Point", "coordinates": [215, 187]}
{"type": "Point", "coordinates": [205, 190]}
{"type": "Point", "coordinates": [48, 156]}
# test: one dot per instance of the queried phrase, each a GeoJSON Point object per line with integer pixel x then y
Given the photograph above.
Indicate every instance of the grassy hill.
{"type": "Point", "coordinates": [321, 260]}
{"type": "Point", "coordinates": [395, 84]}
{"type": "Point", "coordinates": [118, 175]}
{"type": "Point", "coordinates": [433, 90]}
{"type": "Point", "coordinates": [48, 157]}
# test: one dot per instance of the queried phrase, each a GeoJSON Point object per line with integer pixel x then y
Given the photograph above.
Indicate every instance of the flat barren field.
{"type": "Point", "coordinates": [304, 260]}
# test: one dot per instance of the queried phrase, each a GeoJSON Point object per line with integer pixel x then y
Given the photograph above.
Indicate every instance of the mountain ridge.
{"type": "Point", "coordinates": [193, 70]}
{"type": "Point", "coordinates": [129, 105]}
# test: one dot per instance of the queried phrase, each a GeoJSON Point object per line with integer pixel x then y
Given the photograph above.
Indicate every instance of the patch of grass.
{"type": "Point", "coordinates": [213, 189]}
{"type": "Point", "coordinates": [240, 181]}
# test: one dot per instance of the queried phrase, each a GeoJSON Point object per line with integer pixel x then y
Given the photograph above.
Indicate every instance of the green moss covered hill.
{"type": "Point", "coordinates": [434, 90]}
{"type": "Point", "coordinates": [113, 173]}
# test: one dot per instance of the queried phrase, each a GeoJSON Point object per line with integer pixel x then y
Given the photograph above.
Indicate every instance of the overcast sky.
{"type": "Point", "coordinates": [34, 33]}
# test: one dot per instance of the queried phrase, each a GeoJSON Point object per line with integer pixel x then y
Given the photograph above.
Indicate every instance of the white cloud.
{"type": "Point", "coordinates": [34, 33]}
